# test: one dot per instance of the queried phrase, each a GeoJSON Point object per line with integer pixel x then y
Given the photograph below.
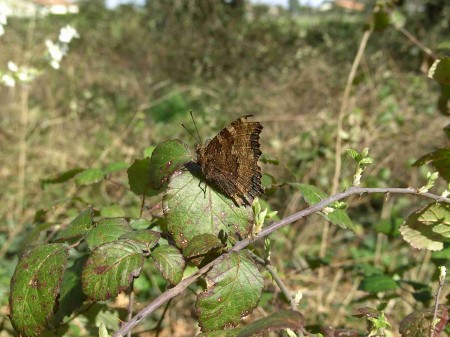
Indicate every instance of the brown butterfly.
{"type": "Point", "coordinates": [230, 161]}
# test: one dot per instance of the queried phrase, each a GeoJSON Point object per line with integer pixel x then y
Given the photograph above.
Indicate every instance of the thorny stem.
{"type": "Point", "coordinates": [180, 287]}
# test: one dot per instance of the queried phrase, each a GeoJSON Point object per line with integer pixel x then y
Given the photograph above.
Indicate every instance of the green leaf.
{"type": "Point", "coordinates": [106, 230]}
{"type": "Point", "coordinates": [71, 295]}
{"type": "Point", "coordinates": [284, 319]}
{"type": "Point", "coordinates": [234, 289]}
{"type": "Point", "coordinates": [380, 19]}
{"type": "Point", "coordinates": [169, 262]}
{"type": "Point", "coordinates": [311, 193]}
{"type": "Point", "coordinates": [102, 332]}
{"type": "Point", "coordinates": [377, 283]}
{"type": "Point", "coordinates": [139, 177]}
{"type": "Point", "coordinates": [340, 218]}
{"type": "Point", "coordinates": [35, 287]}
{"type": "Point", "coordinates": [191, 210]}
{"type": "Point", "coordinates": [89, 177]}
{"type": "Point", "coordinates": [354, 154]}
{"type": "Point", "coordinates": [444, 99]}
{"type": "Point", "coordinates": [428, 227]}
{"type": "Point", "coordinates": [140, 223]}
{"type": "Point", "coordinates": [440, 159]}
{"type": "Point", "coordinates": [61, 177]}
{"type": "Point", "coordinates": [440, 70]}
{"type": "Point", "coordinates": [77, 227]}
{"type": "Point", "coordinates": [148, 151]}
{"type": "Point", "coordinates": [112, 211]}
{"type": "Point", "coordinates": [166, 159]}
{"type": "Point", "coordinates": [147, 237]}
{"type": "Point", "coordinates": [111, 268]}
{"type": "Point", "coordinates": [201, 245]}
{"type": "Point", "coordinates": [114, 167]}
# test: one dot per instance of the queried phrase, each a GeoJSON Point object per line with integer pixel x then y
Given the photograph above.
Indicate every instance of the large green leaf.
{"type": "Point", "coordinates": [440, 159]}
{"type": "Point", "coordinates": [71, 295]}
{"type": "Point", "coordinates": [234, 289]}
{"type": "Point", "coordinates": [35, 287]}
{"type": "Point", "coordinates": [170, 263]}
{"type": "Point", "coordinates": [77, 227]}
{"type": "Point", "coordinates": [139, 177]}
{"type": "Point", "coordinates": [166, 159]}
{"type": "Point", "coordinates": [146, 237]}
{"type": "Point", "coordinates": [377, 283]}
{"type": "Point", "coordinates": [191, 210]}
{"type": "Point", "coordinates": [111, 268]}
{"type": "Point", "coordinates": [106, 230]}
{"type": "Point", "coordinates": [428, 227]}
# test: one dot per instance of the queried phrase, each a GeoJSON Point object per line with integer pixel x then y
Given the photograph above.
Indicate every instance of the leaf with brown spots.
{"type": "Point", "coordinates": [111, 268]}
{"type": "Point", "coordinates": [192, 208]}
{"type": "Point", "coordinates": [234, 289]}
{"type": "Point", "coordinates": [35, 287]}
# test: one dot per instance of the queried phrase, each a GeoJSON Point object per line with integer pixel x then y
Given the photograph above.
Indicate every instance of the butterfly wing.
{"type": "Point", "coordinates": [230, 160]}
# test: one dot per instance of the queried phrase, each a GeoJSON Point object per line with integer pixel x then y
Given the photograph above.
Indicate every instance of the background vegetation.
{"type": "Point", "coordinates": [129, 82]}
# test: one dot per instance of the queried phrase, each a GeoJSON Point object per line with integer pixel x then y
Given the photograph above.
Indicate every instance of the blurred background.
{"type": "Point", "coordinates": [130, 78]}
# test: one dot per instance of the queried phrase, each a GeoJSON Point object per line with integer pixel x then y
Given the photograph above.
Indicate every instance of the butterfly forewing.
{"type": "Point", "coordinates": [230, 161]}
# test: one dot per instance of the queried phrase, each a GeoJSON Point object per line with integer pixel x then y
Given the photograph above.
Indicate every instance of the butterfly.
{"type": "Point", "coordinates": [229, 161]}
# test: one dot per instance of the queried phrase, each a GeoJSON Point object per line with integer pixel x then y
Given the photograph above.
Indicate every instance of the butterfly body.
{"type": "Point", "coordinates": [230, 161]}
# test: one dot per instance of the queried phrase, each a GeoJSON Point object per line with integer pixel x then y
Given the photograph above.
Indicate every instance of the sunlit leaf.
{"type": "Point", "coordinates": [191, 210]}
{"type": "Point", "coordinates": [35, 287]}
{"type": "Point", "coordinates": [428, 227]}
{"type": "Point", "coordinates": [166, 158]}
{"type": "Point", "coordinates": [114, 167]}
{"type": "Point", "coordinates": [170, 263]}
{"type": "Point", "coordinates": [77, 227]}
{"type": "Point", "coordinates": [111, 268]}
{"type": "Point", "coordinates": [139, 177]}
{"type": "Point", "coordinates": [440, 70]}
{"type": "Point", "coordinates": [106, 230]}
{"type": "Point", "coordinates": [234, 289]}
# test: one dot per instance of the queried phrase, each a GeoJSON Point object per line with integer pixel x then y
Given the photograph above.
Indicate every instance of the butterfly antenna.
{"type": "Point", "coordinates": [198, 133]}
{"type": "Point", "coordinates": [190, 133]}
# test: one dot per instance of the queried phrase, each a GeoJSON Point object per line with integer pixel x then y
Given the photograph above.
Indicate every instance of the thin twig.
{"type": "Point", "coordinates": [277, 279]}
{"type": "Point", "coordinates": [161, 319]}
{"type": "Point", "coordinates": [419, 44]}
{"type": "Point", "coordinates": [180, 287]}
{"type": "Point", "coordinates": [436, 302]}
{"type": "Point", "coordinates": [130, 304]}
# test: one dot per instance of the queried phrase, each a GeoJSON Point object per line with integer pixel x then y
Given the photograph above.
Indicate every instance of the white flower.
{"type": "Point", "coordinates": [12, 66]}
{"type": "Point", "coordinates": [54, 64]}
{"type": "Point", "coordinates": [26, 75]}
{"type": "Point", "coordinates": [55, 51]}
{"type": "Point", "coordinates": [3, 18]}
{"type": "Point", "coordinates": [8, 80]}
{"type": "Point", "coordinates": [67, 33]}
{"type": "Point", "coordinates": [2, 30]}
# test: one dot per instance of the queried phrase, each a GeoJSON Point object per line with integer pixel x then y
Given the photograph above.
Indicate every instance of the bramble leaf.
{"type": "Point", "coordinates": [191, 210]}
{"type": "Point", "coordinates": [106, 230]}
{"type": "Point", "coordinates": [201, 245]}
{"type": "Point", "coordinates": [147, 237]}
{"type": "Point", "coordinates": [111, 268]}
{"type": "Point", "coordinates": [78, 226]}
{"type": "Point", "coordinates": [377, 283]}
{"type": "Point", "coordinates": [35, 287]}
{"type": "Point", "coordinates": [139, 178]}
{"type": "Point", "coordinates": [234, 289]}
{"type": "Point", "coordinates": [170, 263]}
{"type": "Point", "coordinates": [428, 227]}
{"type": "Point", "coordinates": [166, 159]}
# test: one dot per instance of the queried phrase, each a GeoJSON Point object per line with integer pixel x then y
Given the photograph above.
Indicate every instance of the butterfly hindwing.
{"type": "Point", "coordinates": [230, 160]}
